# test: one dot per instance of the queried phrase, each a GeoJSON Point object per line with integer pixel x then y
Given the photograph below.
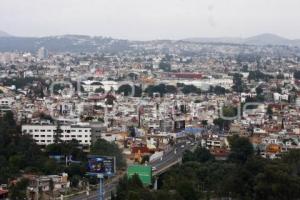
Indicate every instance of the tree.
{"type": "Point", "coordinates": [277, 183]}
{"type": "Point", "coordinates": [200, 155]}
{"type": "Point", "coordinates": [238, 84]}
{"type": "Point", "coordinates": [132, 132]}
{"type": "Point", "coordinates": [126, 89]}
{"type": "Point", "coordinates": [229, 111]}
{"type": "Point", "coordinates": [74, 181]}
{"type": "Point", "coordinates": [99, 90]}
{"type": "Point", "coordinates": [187, 89]}
{"type": "Point", "coordinates": [161, 89]}
{"type": "Point", "coordinates": [219, 90]}
{"type": "Point", "coordinates": [259, 90]}
{"type": "Point", "coordinates": [58, 133]}
{"type": "Point", "coordinates": [132, 188]}
{"type": "Point", "coordinates": [105, 148]}
{"type": "Point", "coordinates": [240, 148]}
{"type": "Point", "coordinates": [221, 123]}
{"type": "Point", "coordinates": [171, 89]}
{"type": "Point", "coordinates": [269, 111]}
{"type": "Point", "coordinates": [165, 66]}
{"type": "Point", "coordinates": [280, 76]}
{"type": "Point", "coordinates": [204, 123]}
{"type": "Point", "coordinates": [17, 191]}
{"type": "Point", "coordinates": [51, 186]}
{"type": "Point", "coordinates": [297, 74]}
{"type": "Point", "coordinates": [18, 152]}
{"type": "Point", "coordinates": [245, 68]}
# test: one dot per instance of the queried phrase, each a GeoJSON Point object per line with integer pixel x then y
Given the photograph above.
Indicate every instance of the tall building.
{"type": "Point", "coordinates": [42, 53]}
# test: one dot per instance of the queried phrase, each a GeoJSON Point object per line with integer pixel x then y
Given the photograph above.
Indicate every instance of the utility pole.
{"type": "Point", "coordinates": [101, 186]}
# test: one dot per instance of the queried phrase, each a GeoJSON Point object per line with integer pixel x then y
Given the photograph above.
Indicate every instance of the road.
{"type": "Point", "coordinates": [108, 187]}
{"type": "Point", "coordinates": [170, 158]}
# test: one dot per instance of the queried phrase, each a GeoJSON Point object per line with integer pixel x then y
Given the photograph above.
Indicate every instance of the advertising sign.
{"type": "Point", "coordinates": [144, 173]}
{"type": "Point", "coordinates": [101, 165]}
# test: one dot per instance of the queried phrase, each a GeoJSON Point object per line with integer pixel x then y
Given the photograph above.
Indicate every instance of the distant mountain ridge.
{"type": "Point", "coordinates": [85, 43]}
{"type": "Point", "coordinates": [262, 39]}
{"type": "Point", "coordinates": [4, 34]}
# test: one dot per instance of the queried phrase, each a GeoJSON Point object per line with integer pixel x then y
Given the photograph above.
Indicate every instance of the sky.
{"type": "Point", "coordinates": [151, 19]}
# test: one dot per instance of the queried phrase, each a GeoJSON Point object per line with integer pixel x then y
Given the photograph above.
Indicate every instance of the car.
{"type": "Point", "coordinates": [154, 168]}
{"type": "Point", "coordinates": [188, 142]}
{"type": "Point", "coordinates": [182, 146]}
{"type": "Point", "coordinates": [192, 144]}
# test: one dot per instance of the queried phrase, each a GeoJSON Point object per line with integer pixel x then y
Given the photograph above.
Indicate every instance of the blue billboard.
{"type": "Point", "coordinates": [101, 165]}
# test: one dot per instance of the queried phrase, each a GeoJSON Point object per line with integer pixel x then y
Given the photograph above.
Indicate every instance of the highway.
{"type": "Point", "coordinates": [170, 158]}
{"type": "Point", "coordinates": [161, 165]}
{"type": "Point", "coordinates": [94, 195]}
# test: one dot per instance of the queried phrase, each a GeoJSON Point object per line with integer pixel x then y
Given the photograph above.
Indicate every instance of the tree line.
{"type": "Point", "coordinates": [244, 175]}
{"type": "Point", "coordinates": [19, 154]}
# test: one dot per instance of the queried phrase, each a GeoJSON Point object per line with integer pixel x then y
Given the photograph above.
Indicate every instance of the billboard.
{"type": "Point", "coordinates": [101, 165]}
{"type": "Point", "coordinates": [144, 173]}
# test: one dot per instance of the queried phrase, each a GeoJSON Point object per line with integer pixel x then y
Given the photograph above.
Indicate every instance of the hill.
{"type": "Point", "coordinates": [4, 34]}
{"type": "Point", "coordinates": [262, 39]}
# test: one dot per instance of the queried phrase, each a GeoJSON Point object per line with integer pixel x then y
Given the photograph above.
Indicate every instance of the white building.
{"type": "Point", "coordinates": [42, 53]}
{"type": "Point", "coordinates": [45, 134]}
{"type": "Point", "coordinates": [6, 101]}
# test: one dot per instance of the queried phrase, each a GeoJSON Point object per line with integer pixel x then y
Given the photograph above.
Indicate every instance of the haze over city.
{"type": "Point", "coordinates": [149, 100]}
{"type": "Point", "coordinates": [148, 20]}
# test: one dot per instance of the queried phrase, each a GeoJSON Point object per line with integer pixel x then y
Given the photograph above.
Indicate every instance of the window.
{"type": "Point", "coordinates": [49, 135]}
{"type": "Point", "coordinates": [48, 130]}
{"type": "Point", "coordinates": [42, 135]}
{"type": "Point", "coordinates": [42, 140]}
{"type": "Point", "coordinates": [79, 135]}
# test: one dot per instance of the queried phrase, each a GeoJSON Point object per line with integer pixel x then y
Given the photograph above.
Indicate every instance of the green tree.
{"type": "Point", "coordinates": [259, 90]}
{"type": "Point", "coordinates": [58, 131]}
{"type": "Point", "coordinates": [99, 90]}
{"type": "Point", "coordinates": [126, 89]}
{"type": "Point", "coordinates": [105, 148]}
{"type": "Point", "coordinates": [165, 66]}
{"type": "Point", "coordinates": [18, 191]}
{"type": "Point", "coordinates": [200, 155]}
{"type": "Point", "coordinates": [240, 148]}
{"type": "Point", "coordinates": [188, 89]}
{"type": "Point", "coordinates": [238, 84]}
{"type": "Point", "coordinates": [297, 74]}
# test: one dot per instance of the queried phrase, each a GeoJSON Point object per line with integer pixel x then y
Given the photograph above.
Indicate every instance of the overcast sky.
{"type": "Point", "coordinates": [151, 19]}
